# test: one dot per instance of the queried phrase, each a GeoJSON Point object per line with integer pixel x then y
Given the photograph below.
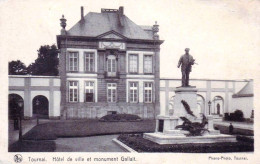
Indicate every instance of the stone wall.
{"type": "Point", "coordinates": [98, 110]}
{"type": "Point", "coordinates": [245, 104]}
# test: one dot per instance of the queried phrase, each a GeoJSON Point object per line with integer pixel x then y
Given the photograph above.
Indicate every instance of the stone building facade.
{"type": "Point", "coordinates": [109, 64]}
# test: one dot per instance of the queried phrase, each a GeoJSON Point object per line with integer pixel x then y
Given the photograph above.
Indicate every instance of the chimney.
{"type": "Point", "coordinates": [82, 13]}
{"type": "Point", "coordinates": [120, 15]}
{"type": "Point", "coordinates": [121, 10]}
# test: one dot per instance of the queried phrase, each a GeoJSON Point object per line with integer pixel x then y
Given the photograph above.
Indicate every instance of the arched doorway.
{"type": "Point", "coordinates": [40, 106]}
{"type": "Point", "coordinates": [218, 105]}
{"type": "Point", "coordinates": [13, 108]}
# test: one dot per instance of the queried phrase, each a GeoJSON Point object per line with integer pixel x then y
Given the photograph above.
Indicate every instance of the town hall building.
{"type": "Point", "coordinates": [109, 64]}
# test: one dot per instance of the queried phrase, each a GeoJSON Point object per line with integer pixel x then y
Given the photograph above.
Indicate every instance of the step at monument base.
{"type": "Point", "coordinates": [162, 138]}
{"type": "Point", "coordinates": [176, 132]}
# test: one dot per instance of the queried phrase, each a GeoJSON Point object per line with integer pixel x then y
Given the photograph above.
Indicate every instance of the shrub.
{"type": "Point", "coordinates": [245, 139]}
{"type": "Point", "coordinates": [120, 117]}
{"type": "Point", "coordinates": [226, 116]}
{"type": "Point", "coordinates": [238, 116]}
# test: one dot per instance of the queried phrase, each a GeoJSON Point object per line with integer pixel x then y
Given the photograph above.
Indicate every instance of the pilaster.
{"type": "Point", "coordinates": [226, 98]}
{"type": "Point", "coordinates": [157, 79]}
{"type": "Point", "coordinates": [208, 97]}
{"type": "Point", "coordinates": [27, 98]}
{"type": "Point", "coordinates": [62, 73]}
{"type": "Point", "coordinates": [51, 104]}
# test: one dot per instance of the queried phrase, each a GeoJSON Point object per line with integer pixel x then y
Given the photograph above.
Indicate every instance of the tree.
{"type": "Point", "coordinates": [47, 62]}
{"type": "Point", "coordinates": [17, 68]}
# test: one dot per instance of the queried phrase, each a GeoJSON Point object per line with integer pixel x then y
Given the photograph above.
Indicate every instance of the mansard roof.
{"type": "Point", "coordinates": [96, 24]}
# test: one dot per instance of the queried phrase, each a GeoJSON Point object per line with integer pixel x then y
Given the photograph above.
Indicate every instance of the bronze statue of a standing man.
{"type": "Point", "coordinates": [186, 61]}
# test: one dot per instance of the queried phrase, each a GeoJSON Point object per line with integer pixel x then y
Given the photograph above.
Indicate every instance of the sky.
{"type": "Point", "coordinates": [223, 35]}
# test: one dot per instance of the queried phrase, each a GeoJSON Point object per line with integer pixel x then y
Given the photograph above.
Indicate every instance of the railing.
{"type": "Point", "coordinates": [109, 10]}
{"type": "Point", "coordinates": [111, 74]}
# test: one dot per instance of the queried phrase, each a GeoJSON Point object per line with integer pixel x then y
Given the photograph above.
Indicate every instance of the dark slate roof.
{"type": "Point", "coordinates": [246, 91]}
{"type": "Point", "coordinates": [95, 24]}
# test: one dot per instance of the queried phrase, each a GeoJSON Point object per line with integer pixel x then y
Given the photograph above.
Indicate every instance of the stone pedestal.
{"type": "Point", "coordinates": [188, 94]}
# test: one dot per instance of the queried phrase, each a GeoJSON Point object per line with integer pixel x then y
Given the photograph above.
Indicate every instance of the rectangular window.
{"type": "Point", "coordinates": [73, 61]}
{"type": "Point", "coordinates": [111, 92]}
{"type": "Point", "coordinates": [133, 92]}
{"type": "Point", "coordinates": [148, 92]}
{"type": "Point", "coordinates": [89, 62]}
{"type": "Point", "coordinates": [111, 65]}
{"type": "Point", "coordinates": [73, 91]}
{"type": "Point", "coordinates": [148, 64]}
{"type": "Point", "coordinates": [89, 91]}
{"type": "Point", "coordinates": [133, 63]}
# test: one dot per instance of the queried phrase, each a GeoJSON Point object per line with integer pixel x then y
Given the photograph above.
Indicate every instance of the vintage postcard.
{"type": "Point", "coordinates": [144, 81]}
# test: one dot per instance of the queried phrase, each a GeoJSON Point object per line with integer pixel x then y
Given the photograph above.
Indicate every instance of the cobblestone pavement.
{"type": "Point", "coordinates": [88, 144]}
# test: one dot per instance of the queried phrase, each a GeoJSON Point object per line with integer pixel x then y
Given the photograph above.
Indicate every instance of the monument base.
{"type": "Point", "coordinates": [176, 132]}
{"type": "Point", "coordinates": [185, 105]}
{"type": "Point", "coordinates": [161, 138]}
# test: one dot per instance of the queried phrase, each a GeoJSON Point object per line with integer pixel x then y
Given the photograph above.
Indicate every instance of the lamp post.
{"type": "Point", "coordinates": [37, 109]}
{"type": "Point", "coordinates": [20, 105]}
{"type": "Point", "coordinates": [209, 103]}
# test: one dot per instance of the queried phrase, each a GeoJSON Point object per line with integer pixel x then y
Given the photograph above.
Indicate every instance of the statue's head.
{"type": "Point", "coordinates": [187, 50]}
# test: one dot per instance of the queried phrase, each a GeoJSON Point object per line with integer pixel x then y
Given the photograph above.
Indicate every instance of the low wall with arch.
{"type": "Point", "coordinates": [28, 87]}
{"type": "Point", "coordinates": [208, 91]}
